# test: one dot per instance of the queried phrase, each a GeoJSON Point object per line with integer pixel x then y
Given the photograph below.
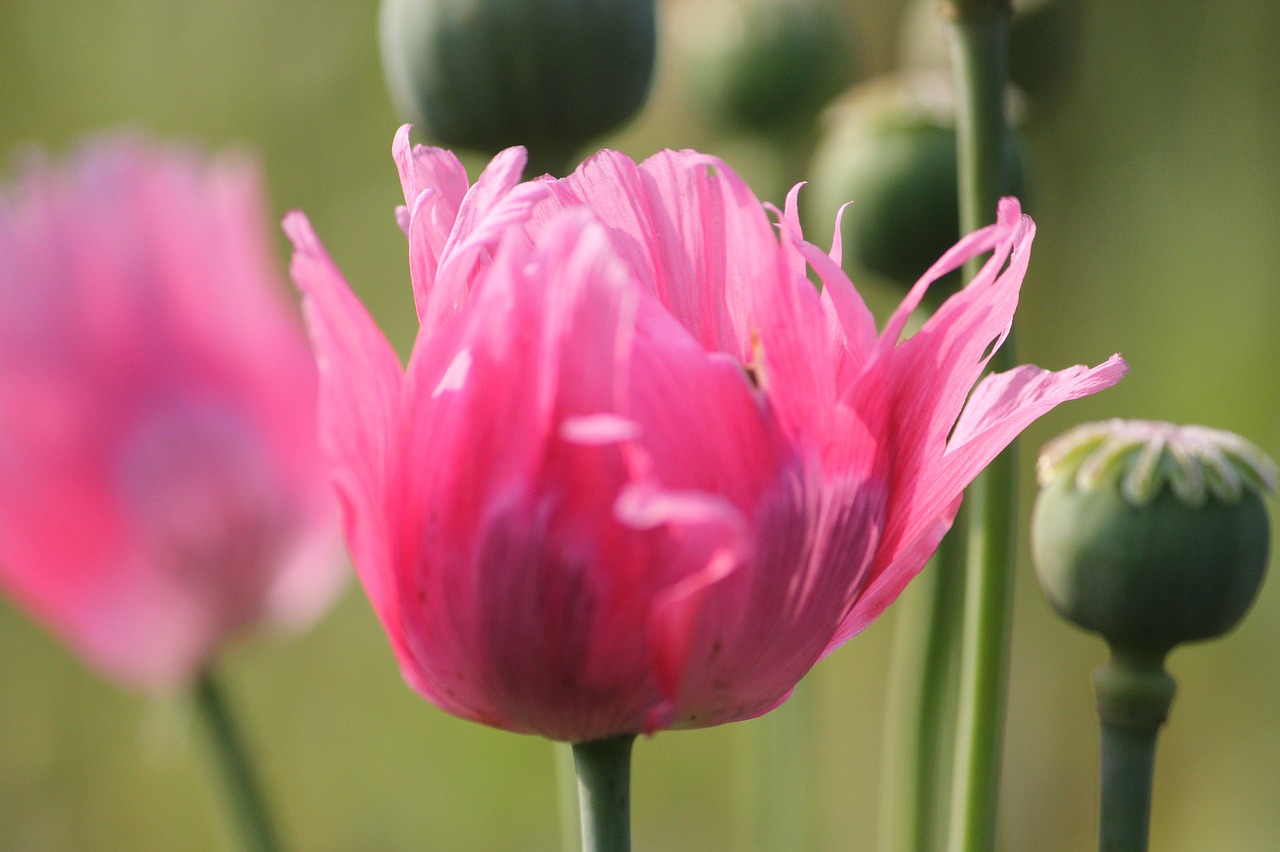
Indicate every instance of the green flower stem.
{"type": "Point", "coordinates": [238, 783]}
{"type": "Point", "coordinates": [922, 703]}
{"type": "Point", "coordinates": [980, 50]}
{"type": "Point", "coordinates": [984, 658]}
{"type": "Point", "coordinates": [1134, 694]}
{"type": "Point", "coordinates": [604, 793]}
{"type": "Point", "coordinates": [980, 70]}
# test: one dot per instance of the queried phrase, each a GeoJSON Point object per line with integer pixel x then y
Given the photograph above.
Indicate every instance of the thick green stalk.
{"type": "Point", "coordinates": [1134, 694]}
{"type": "Point", "coordinates": [980, 71]}
{"type": "Point", "coordinates": [980, 41]}
{"type": "Point", "coordinates": [236, 777]}
{"type": "Point", "coordinates": [604, 793]}
{"type": "Point", "coordinates": [984, 659]}
{"type": "Point", "coordinates": [919, 729]}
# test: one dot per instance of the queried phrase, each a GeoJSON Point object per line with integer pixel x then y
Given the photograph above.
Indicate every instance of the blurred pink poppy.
{"type": "Point", "coordinates": [640, 473]}
{"type": "Point", "coordinates": [161, 486]}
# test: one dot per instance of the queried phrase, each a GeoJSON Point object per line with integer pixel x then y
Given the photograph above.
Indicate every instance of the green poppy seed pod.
{"type": "Point", "coordinates": [1151, 534]}
{"type": "Point", "coordinates": [768, 67]}
{"type": "Point", "coordinates": [889, 148]}
{"type": "Point", "coordinates": [548, 74]}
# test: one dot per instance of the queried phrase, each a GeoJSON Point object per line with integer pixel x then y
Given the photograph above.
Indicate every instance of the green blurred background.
{"type": "Point", "coordinates": [1157, 195]}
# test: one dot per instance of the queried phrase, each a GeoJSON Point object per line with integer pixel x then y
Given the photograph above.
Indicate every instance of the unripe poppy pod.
{"type": "Point", "coordinates": [889, 148]}
{"type": "Point", "coordinates": [550, 75]}
{"type": "Point", "coordinates": [770, 66]}
{"type": "Point", "coordinates": [1151, 534]}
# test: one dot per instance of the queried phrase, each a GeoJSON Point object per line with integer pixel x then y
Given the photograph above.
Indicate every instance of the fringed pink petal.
{"type": "Point", "coordinates": [891, 579]}
{"type": "Point", "coordinates": [1011, 229]}
{"type": "Point", "coordinates": [499, 177]}
{"type": "Point", "coordinates": [913, 393]}
{"type": "Point", "coordinates": [506, 510]}
{"type": "Point", "coordinates": [423, 168]}
{"type": "Point", "coordinates": [1005, 404]}
{"type": "Point", "coordinates": [690, 229]}
{"type": "Point", "coordinates": [359, 406]}
{"type": "Point", "coordinates": [451, 225]}
{"type": "Point", "coordinates": [916, 389]}
{"type": "Point", "coordinates": [761, 627]}
{"type": "Point", "coordinates": [788, 221]}
{"type": "Point", "coordinates": [1000, 408]}
{"type": "Point", "coordinates": [712, 538]}
{"type": "Point", "coordinates": [857, 338]}
{"type": "Point", "coordinates": [674, 624]}
{"type": "Point", "coordinates": [434, 183]}
{"type": "Point", "coordinates": [793, 356]}
{"type": "Point", "coordinates": [841, 299]}
{"type": "Point", "coordinates": [494, 205]}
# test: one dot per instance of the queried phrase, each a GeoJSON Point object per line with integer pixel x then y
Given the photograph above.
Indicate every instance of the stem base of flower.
{"type": "Point", "coordinates": [604, 793]}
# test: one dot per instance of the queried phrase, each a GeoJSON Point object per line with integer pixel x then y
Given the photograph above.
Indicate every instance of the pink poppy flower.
{"type": "Point", "coordinates": [161, 486]}
{"type": "Point", "coordinates": [639, 472]}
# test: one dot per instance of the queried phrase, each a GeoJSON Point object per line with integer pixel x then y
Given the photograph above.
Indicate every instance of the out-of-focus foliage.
{"type": "Point", "coordinates": [1157, 198]}
{"type": "Point", "coordinates": [889, 146]}
{"type": "Point", "coordinates": [767, 66]}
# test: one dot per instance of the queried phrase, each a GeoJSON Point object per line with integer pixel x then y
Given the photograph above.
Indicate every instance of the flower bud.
{"type": "Point", "coordinates": [889, 148]}
{"type": "Point", "coordinates": [547, 74]}
{"type": "Point", "coordinates": [769, 66]}
{"type": "Point", "coordinates": [1151, 534]}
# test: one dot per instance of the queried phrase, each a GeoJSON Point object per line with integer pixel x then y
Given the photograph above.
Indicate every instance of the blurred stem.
{"type": "Point", "coordinates": [980, 70]}
{"type": "Point", "coordinates": [980, 56]}
{"type": "Point", "coordinates": [604, 793]}
{"type": "Point", "coordinates": [236, 778]}
{"type": "Point", "coordinates": [1134, 694]}
{"type": "Point", "coordinates": [984, 658]}
{"type": "Point", "coordinates": [922, 702]}
{"type": "Point", "coordinates": [567, 795]}
{"type": "Point", "coordinates": [780, 774]}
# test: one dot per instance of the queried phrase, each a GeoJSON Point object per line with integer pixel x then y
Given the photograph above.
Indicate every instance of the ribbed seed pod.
{"type": "Point", "coordinates": [889, 148]}
{"type": "Point", "coordinates": [1151, 534]}
{"type": "Point", "coordinates": [550, 75]}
